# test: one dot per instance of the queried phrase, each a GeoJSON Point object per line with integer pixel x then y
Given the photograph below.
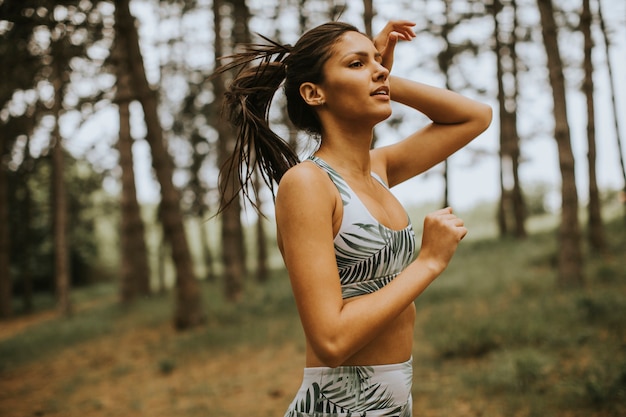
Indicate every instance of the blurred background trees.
{"type": "Point", "coordinates": [94, 90]}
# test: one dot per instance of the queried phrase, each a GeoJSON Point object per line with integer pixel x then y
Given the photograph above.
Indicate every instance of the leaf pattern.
{"type": "Point", "coordinates": [353, 391]}
{"type": "Point", "coordinates": [369, 256]}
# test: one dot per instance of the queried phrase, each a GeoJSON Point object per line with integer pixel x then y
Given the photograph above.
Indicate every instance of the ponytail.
{"type": "Point", "coordinates": [248, 98]}
{"type": "Point", "coordinates": [247, 104]}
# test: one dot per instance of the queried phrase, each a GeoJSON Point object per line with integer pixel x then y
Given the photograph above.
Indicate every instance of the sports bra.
{"type": "Point", "coordinates": [369, 254]}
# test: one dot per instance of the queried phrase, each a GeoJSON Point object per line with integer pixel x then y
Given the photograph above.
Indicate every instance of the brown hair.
{"type": "Point", "coordinates": [249, 96]}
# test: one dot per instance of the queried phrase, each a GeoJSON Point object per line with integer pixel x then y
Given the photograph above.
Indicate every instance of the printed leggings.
{"type": "Point", "coordinates": [351, 391]}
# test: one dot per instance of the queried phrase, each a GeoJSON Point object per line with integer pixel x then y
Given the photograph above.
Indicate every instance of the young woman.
{"type": "Point", "coordinates": [347, 243]}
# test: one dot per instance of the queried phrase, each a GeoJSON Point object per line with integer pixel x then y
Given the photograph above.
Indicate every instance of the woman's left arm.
{"type": "Point", "coordinates": [456, 120]}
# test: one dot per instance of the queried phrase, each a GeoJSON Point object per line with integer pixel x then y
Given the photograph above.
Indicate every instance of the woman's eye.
{"type": "Point", "coordinates": [356, 64]}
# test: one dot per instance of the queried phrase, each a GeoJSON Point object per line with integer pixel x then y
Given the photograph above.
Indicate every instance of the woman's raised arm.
{"type": "Point", "coordinates": [456, 120]}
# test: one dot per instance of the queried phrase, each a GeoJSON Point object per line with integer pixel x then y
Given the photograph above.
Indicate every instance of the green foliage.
{"type": "Point", "coordinates": [33, 235]}
{"type": "Point", "coordinates": [494, 330]}
{"type": "Point", "coordinates": [535, 198]}
{"type": "Point", "coordinates": [167, 366]}
{"type": "Point", "coordinates": [532, 345]}
{"type": "Point", "coordinates": [605, 386]}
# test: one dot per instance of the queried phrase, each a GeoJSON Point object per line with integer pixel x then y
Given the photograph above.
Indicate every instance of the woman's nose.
{"type": "Point", "coordinates": [381, 72]}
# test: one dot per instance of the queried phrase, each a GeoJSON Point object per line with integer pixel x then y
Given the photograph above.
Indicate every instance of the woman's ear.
{"type": "Point", "coordinates": [311, 94]}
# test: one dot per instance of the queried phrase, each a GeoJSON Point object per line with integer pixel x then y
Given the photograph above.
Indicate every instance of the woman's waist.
{"type": "Point", "coordinates": [318, 373]}
{"type": "Point", "coordinates": [360, 387]}
{"type": "Point", "coordinates": [394, 344]}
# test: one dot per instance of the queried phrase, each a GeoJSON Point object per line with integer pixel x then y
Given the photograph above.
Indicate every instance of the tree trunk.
{"type": "Point", "coordinates": [595, 232]}
{"type": "Point", "coordinates": [504, 126]}
{"type": "Point", "coordinates": [233, 252]}
{"type": "Point", "coordinates": [188, 311]}
{"type": "Point", "coordinates": [207, 252]}
{"type": "Point", "coordinates": [517, 197]}
{"type": "Point", "coordinates": [59, 200]}
{"type": "Point", "coordinates": [5, 247]}
{"type": "Point", "coordinates": [262, 274]}
{"type": "Point", "coordinates": [444, 60]}
{"type": "Point", "coordinates": [27, 247]}
{"type": "Point", "coordinates": [21, 234]}
{"type": "Point", "coordinates": [511, 209]}
{"type": "Point", "coordinates": [570, 262]}
{"type": "Point", "coordinates": [134, 269]}
{"type": "Point", "coordinates": [616, 115]}
{"type": "Point", "coordinates": [368, 16]}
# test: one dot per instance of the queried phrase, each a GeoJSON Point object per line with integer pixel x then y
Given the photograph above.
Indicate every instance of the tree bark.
{"type": "Point", "coordinates": [503, 224]}
{"type": "Point", "coordinates": [207, 252]}
{"type": "Point", "coordinates": [444, 60]}
{"type": "Point", "coordinates": [616, 116]}
{"type": "Point", "coordinates": [519, 205]}
{"type": "Point", "coordinates": [570, 262]}
{"type": "Point", "coordinates": [233, 249]}
{"type": "Point", "coordinates": [512, 207]}
{"type": "Point", "coordinates": [59, 199]}
{"type": "Point", "coordinates": [6, 298]}
{"type": "Point", "coordinates": [368, 16]}
{"type": "Point", "coordinates": [26, 245]}
{"type": "Point", "coordinates": [262, 270]}
{"type": "Point", "coordinates": [188, 312]}
{"type": "Point", "coordinates": [134, 269]}
{"type": "Point", "coordinates": [594, 222]}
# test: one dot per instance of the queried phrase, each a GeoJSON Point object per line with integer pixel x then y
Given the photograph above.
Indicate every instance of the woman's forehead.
{"type": "Point", "coordinates": [352, 42]}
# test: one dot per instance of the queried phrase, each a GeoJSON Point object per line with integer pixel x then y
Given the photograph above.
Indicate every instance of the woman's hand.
{"type": "Point", "coordinates": [385, 42]}
{"type": "Point", "coordinates": [442, 233]}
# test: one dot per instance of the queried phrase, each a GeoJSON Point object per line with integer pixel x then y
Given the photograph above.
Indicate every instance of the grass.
{"type": "Point", "coordinates": [494, 336]}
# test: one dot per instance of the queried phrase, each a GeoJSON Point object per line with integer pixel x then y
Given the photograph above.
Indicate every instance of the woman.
{"type": "Point", "coordinates": [347, 243]}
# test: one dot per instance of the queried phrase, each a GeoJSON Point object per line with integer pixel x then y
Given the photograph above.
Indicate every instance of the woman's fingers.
{"type": "Point", "coordinates": [385, 42]}
{"type": "Point", "coordinates": [387, 51]}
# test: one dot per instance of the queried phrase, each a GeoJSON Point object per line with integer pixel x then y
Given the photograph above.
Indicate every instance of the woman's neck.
{"type": "Point", "coordinates": [347, 150]}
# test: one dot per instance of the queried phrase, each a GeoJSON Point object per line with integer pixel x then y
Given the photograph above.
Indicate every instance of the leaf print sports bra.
{"type": "Point", "coordinates": [369, 255]}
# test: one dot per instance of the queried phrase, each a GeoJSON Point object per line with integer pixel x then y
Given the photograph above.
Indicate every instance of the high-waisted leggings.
{"type": "Point", "coordinates": [372, 391]}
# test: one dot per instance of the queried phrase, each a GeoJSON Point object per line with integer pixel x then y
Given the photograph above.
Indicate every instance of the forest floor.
{"type": "Point", "coordinates": [120, 376]}
{"type": "Point", "coordinates": [131, 373]}
{"type": "Point", "coordinates": [494, 337]}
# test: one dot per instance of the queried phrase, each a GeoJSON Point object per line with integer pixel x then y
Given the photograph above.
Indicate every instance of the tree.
{"type": "Point", "coordinates": [6, 299]}
{"type": "Point", "coordinates": [134, 269]}
{"type": "Point", "coordinates": [59, 192]}
{"type": "Point", "coordinates": [449, 57]}
{"type": "Point", "coordinates": [233, 250]}
{"type": "Point", "coordinates": [23, 201]}
{"type": "Point", "coordinates": [616, 117]}
{"type": "Point", "coordinates": [188, 312]}
{"type": "Point", "coordinates": [368, 16]}
{"type": "Point", "coordinates": [511, 207]}
{"type": "Point", "coordinates": [261, 236]}
{"type": "Point", "coordinates": [570, 261]}
{"type": "Point", "coordinates": [15, 73]}
{"type": "Point", "coordinates": [38, 40]}
{"type": "Point", "coordinates": [594, 223]}
{"type": "Point", "coordinates": [444, 59]}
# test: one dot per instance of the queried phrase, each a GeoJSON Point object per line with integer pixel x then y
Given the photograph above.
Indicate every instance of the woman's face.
{"type": "Point", "coordinates": [355, 85]}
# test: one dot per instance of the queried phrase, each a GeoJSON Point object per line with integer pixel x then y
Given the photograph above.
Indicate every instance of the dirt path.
{"type": "Point", "coordinates": [14, 326]}
{"type": "Point", "coordinates": [122, 376]}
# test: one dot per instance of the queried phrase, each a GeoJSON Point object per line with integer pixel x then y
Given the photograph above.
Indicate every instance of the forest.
{"type": "Point", "coordinates": [110, 238]}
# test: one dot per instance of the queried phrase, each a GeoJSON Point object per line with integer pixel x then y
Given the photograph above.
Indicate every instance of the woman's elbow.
{"type": "Point", "coordinates": [484, 114]}
{"type": "Point", "coordinates": [330, 353]}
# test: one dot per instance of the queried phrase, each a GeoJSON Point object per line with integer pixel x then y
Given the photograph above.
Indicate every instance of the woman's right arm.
{"type": "Point", "coordinates": [305, 204]}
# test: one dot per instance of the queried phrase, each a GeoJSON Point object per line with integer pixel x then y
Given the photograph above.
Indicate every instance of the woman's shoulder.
{"type": "Point", "coordinates": [305, 184]}
{"type": "Point", "coordinates": [305, 174]}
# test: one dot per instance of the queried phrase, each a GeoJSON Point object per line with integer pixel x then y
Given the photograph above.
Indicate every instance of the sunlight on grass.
{"type": "Point", "coordinates": [494, 336]}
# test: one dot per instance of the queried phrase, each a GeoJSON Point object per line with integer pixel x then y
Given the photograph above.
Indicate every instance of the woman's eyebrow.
{"type": "Point", "coordinates": [363, 54]}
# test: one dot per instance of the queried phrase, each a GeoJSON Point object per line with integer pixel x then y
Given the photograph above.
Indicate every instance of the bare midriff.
{"type": "Point", "coordinates": [393, 344]}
